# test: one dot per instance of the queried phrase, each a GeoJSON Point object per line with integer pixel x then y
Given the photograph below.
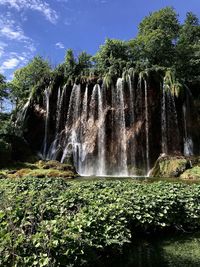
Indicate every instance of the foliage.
{"type": "Point", "coordinates": [172, 84]}
{"type": "Point", "coordinates": [188, 49]}
{"type": "Point", "coordinates": [115, 54]}
{"type": "Point", "coordinates": [27, 77]}
{"type": "Point", "coordinates": [155, 43]}
{"type": "Point", "coordinates": [74, 67]}
{"type": "Point", "coordinates": [3, 91]}
{"type": "Point", "coordinates": [50, 222]}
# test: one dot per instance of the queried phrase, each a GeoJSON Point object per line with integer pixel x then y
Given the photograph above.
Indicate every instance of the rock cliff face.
{"type": "Point", "coordinates": [119, 128]}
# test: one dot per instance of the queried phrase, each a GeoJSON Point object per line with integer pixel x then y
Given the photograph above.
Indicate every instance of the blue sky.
{"type": "Point", "coordinates": [49, 27]}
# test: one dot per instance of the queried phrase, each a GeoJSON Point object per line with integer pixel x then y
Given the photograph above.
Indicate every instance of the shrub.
{"type": "Point", "coordinates": [50, 222]}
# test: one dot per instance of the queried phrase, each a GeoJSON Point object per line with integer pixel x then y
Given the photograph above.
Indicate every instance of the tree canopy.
{"type": "Point", "coordinates": [28, 76]}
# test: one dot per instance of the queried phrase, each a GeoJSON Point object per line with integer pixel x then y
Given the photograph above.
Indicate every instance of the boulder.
{"type": "Point", "coordinates": [170, 166]}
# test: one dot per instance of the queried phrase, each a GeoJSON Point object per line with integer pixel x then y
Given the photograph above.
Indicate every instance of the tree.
{"type": "Point", "coordinates": [156, 40]}
{"type": "Point", "coordinates": [84, 63]}
{"type": "Point", "coordinates": [27, 77]}
{"type": "Point", "coordinates": [114, 53]}
{"type": "Point", "coordinates": [3, 91]}
{"type": "Point", "coordinates": [188, 49]}
{"type": "Point", "coordinates": [70, 64]}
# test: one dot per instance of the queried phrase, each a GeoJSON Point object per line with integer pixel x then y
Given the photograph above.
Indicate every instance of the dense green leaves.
{"type": "Point", "coordinates": [27, 77]}
{"type": "Point", "coordinates": [3, 91]}
{"type": "Point", "coordinates": [114, 53]}
{"type": "Point", "coordinates": [156, 39]}
{"type": "Point", "coordinates": [47, 222]}
{"type": "Point", "coordinates": [188, 49]}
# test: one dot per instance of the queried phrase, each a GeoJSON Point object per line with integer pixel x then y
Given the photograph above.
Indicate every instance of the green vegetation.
{"type": "Point", "coordinates": [39, 169]}
{"type": "Point", "coordinates": [50, 222]}
{"type": "Point", "coordinates": [27, 77]}
{"type": "Point", "coordinates": [3, 91]}
{"type": "Point", "coordinates": [193, 173]}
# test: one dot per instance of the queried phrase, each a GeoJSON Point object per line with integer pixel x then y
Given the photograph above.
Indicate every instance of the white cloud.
{"type": "Point", "coordinates": [9, 64]}
{"type": "Point", "coordinates": [2, 48]}
{"type": "Point", "coordinates": [10, 30]}
{"type": "Point", "coordinates": [60, 45]}
{"type": "Point", "coordinates": [36, 5]}
{"type": "Point", "coordinates": [16, 49]}
{"type": "Point", "coordinates": [13, 60]}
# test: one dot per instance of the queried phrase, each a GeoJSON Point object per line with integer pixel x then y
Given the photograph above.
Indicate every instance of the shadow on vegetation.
{"type": "Point", "coordinates": [180, 250]}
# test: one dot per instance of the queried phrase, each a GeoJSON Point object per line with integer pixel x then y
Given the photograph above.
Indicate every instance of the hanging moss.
{"type": "Point", "coordinates": [144, 75]}
{"type": "Point", "coordinates": [172, 84]}
{"type": "Point", "coordinates": [108, 81]}
{"type": "Point", "coordinates": [125, 76]}
{"type": "Point", "coordinates": [132, 73]}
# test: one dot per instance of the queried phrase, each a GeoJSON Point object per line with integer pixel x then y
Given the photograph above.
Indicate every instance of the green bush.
{"type": "Point", "coordinates": [50, 222]}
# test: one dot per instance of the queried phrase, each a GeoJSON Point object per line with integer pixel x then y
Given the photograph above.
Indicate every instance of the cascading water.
{"type": "Point", "coordinates": [53, 147]}
{"type": "Point", "coordinates": [147, 126]}
{"type": "Point", "coordinates": [47, 94]}
{"type": "Point", "coordinates": [101, 133]}
{"type": "Point", "coordinates": [169, 122]}
{"type": "Point", "coordinates": [132, 118]}
{"type": "Point", "coordinates": [120, 129]}
{"type": "Point", "coordinates": [84, 117]}
{"type": "Point", "coordinates": [72, 129]}
{"type": "Point", "coordinates": [107, 130]}
{"type": "Point", "coordinates": [164, 120]}
{"type": "Point", "coordinates": [188, 143]}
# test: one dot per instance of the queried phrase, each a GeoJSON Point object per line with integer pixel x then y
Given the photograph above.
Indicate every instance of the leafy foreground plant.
{"type": "Point", "coordinates": [50, 222]}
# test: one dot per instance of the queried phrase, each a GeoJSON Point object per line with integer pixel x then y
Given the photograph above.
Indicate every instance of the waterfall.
{"type": "Point", "coordinates": [101, 133]}
{"type": "Point", "coordinates": [147, 125]}
{"type": "Point", "coordinates": [97, 131]}
{"type": "Point", "coordinates": [84, 117]}
{"type": "Point", "coordinates": [173, 123]}
{"type": "Point", "coordinates": [188, 143]}
{"type": "Point", "coordinates": [132, 120]}
{"type": "Point", "coordinates": [107, 130]}
{"type": "Point", "coordinates": [55, 145]}
{"type": "Point", "coordinates": [131, 100]}
{"type": "Point", "coordinates": [72, 127]}
{"type": "Point", "coordinates": [120, 129]}
{"type": "Point", "coordinates": [47, 94]}
{"type": "Point", "coordinates": [164, 120]}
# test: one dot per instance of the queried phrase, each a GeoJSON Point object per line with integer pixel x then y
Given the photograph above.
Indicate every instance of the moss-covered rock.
{"type": "Point", "coordinates": [170, 166]}
{"type": "Point", "coordinates": [41, 169]}
{"type": "Point", "coordinates": [177, 166]}
{"type": "Point", "coordinates": [56, 165]}
{"type": "Point", "coordinates": [193, 173]}
{"type": "Point", "coordinates": [42, 173]}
